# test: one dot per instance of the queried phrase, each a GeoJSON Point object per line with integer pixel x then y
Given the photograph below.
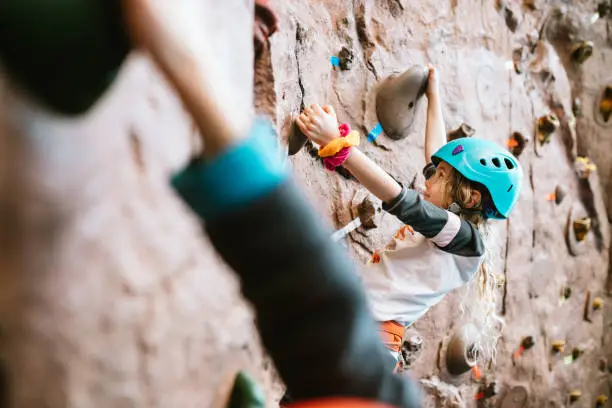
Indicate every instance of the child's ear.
{"type": "Point", "coordinates": [475, 198]}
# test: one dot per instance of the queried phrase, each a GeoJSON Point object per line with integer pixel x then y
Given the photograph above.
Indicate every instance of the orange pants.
{"type": "Point", "coordinates": [392, 334]}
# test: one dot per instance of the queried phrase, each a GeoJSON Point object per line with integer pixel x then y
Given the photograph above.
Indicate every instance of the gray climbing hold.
{"type": "Point", "coordinates": [560, 194]}
{"type": "Point", "coordinates": [464, 130]}
{"type": "Point", "coordinates": [296, 139]}
{"type": "Point", "coordinates": [397, 99]}
{"type": "Point", "coordinates": [346, 57]}
{"type": "Point", "coordinates": [582, 51]}
{"type": "Point", "coordinates": [461, 355]}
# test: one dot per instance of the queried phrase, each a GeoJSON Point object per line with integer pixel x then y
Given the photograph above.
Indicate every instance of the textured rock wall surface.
{"type": "Point", "coordinates": [110, 295]}
{"type": "Point", "coordinates": [473, 43]}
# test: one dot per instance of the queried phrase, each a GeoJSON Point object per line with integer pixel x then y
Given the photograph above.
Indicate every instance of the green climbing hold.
{"type": "Point", "coordinates": [64, 52]}
{"type": "Point", "coordinates": [246, 393]}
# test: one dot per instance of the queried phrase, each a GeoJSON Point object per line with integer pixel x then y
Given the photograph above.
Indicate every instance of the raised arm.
{"type": "Point", "coordinates": [435, 131]}
{"type": "Point", "coordinates": [372, 176]}
{"type": "Point", "coordinates": [320, 125]}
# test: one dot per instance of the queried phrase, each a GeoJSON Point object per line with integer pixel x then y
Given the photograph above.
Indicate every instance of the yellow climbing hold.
{"type": "Point", "coordinates": [584, 167]}
{"type": "Point", "coordinates": [581, 228]}
{"type": "Point", "coordinates": [598, 303]}
{"type": "Point", "coordinates": [575, 395]}
{"type": "Point", "coordinates": [546, 126]}
{"type": "Point", "coordinates": [558, 346]}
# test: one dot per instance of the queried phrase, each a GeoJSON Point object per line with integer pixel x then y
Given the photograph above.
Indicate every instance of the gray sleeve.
{"type": "Point", "coordinates": [449, 232]}
{"type": "Point", "coordinates": [311, 310]}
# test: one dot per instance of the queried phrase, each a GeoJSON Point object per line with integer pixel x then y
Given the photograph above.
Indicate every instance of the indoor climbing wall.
{"type": "Point", "coordinates": [111, 296]}
{"type": "Point", "coordinates": [531, 75]}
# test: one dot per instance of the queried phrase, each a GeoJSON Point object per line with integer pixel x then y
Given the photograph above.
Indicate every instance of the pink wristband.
{"type": "Point", "coordinates": [344, 129]}
{"type": "Point", "coordinates": [339, 158]}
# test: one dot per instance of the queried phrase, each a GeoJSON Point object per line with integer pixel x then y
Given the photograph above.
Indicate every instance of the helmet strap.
{"type": "Point", "coordinates": [456, 209]}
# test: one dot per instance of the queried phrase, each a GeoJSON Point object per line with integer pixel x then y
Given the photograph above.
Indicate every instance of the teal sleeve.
{"type": "Point", "coordinates": [237, 177]}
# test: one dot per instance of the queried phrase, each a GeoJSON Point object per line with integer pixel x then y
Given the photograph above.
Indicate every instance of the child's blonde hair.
{"type": "Point", "coordinates": [479, 304]}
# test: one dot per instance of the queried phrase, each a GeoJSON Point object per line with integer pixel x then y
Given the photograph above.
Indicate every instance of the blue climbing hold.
{"type": "Point", "coordinates": [374, 133]}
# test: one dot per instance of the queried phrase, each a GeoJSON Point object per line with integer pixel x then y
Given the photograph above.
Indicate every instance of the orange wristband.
{"type": "Point", "coordinates": [333, 147]}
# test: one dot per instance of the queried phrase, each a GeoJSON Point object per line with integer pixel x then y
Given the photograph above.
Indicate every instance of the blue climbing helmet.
{"type": "Point", "coordinates": [489, 164]}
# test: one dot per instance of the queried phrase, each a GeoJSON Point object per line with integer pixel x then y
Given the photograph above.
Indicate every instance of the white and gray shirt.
{"type": "Point", "coordinates": [439, 253]}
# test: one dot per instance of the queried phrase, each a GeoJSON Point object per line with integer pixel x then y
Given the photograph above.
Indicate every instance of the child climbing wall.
{"type": "Point", "coordinates": [469, 182]}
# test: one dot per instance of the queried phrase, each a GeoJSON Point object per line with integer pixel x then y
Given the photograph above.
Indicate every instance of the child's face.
{"type": "Point", "coordinates": [436, 186]}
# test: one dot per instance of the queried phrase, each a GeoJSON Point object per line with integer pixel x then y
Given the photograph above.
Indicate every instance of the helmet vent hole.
{"type": "Point", "coordinates": [510, 188]}
{"type": "Point", "coordinates": [496, 162]}
{"type": "Point", "coordinates": [483, 162]}
{"type": "Point", "coordinates": [509, 164]}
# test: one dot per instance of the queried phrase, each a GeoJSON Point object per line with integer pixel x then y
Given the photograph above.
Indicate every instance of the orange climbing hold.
{"type": "Point", "coordinates": [487, 391]}
{"type": "Point", "coordinates": [516, 143]}
{"type": "Point", "coordinates": [527, 343]}
{"type": "Point", "coordinates": [376, 257]}
{"type": "Point", "coordinates": [518, 352]}
{"type": "Point", "coordinates": [605, 106]}
{"type": "Point", "coordinates": [512, 143]}
{"type": "Point", "coordinates": [477, 372]}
